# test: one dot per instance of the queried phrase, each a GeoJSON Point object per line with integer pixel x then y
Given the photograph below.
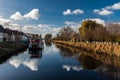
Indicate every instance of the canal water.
{"type": "Point", "coordinates": [55, 63]}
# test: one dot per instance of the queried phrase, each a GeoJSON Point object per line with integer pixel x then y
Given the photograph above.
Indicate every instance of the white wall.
{"type": "Point", "coordinates": [24, 38]}
{"type": "Point", "coordinates": [1, 37]}
{"type": "Point", "coordinates": [13, 37]}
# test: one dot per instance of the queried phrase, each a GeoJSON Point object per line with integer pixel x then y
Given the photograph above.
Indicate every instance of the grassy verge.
{"type": "Point", "coordinates": [9, 48]}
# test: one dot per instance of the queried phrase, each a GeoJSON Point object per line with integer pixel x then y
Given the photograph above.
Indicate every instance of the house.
{"type": "Point", "coordinates": [12, 35]}
{"type": "Point", "coordinates": [2, 34]}
{"type": "Point", "coordinates": [23, 37]}
{"type": "Point", "coordinates": [15, 36]}
{"type": "Point", "coordinates": [8, 35]}
{"type": "Point", "coordinates": [19, 36]}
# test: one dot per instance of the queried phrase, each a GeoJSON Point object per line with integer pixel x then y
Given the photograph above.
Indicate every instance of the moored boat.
{"type": "Point", "coordinates": [36, 44]}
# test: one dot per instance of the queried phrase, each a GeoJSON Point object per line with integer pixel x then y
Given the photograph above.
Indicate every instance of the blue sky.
{"type": "Point", "coordinates": [54, 14]}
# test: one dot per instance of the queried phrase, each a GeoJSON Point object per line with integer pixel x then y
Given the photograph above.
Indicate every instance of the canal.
{"type": "Point", "coordinates": [56, 63]}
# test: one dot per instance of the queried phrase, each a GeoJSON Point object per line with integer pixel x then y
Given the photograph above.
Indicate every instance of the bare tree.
{"type": "Point", "coordinates": [66, 33]}
{"type": "Point", "coordinates": [113, 30]}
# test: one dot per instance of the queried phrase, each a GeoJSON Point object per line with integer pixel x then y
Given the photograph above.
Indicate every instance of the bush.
{"type": "Point", "coordinates": [118, 39]}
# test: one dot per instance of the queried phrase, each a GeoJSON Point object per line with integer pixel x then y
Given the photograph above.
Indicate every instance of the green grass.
{"type": "Point", "coordinates": [7, 48]}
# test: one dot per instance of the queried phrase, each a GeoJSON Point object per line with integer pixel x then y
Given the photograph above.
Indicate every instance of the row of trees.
{"type": "Point", "coordinates": [89, 31]}
{"type": "Point", "coordinates": [92, 31]}
{"type": "Point", "coordinates": [67, 34]}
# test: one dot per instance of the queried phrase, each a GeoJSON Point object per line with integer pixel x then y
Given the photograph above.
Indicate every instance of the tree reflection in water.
{"type": "Point", "coordinates": [65, 52]}
{"type": "Point", "coordinates": [89, 62]}
{"type": "Point", "coordinates": [100, 62]}
{"type": "Point", "coordinates": [48, 43]}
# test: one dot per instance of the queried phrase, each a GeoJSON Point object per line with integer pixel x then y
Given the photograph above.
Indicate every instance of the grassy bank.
{"type": "Point", "coordinates": [107, 48]}
{"type": "Point", "coordinates": [9, 48]}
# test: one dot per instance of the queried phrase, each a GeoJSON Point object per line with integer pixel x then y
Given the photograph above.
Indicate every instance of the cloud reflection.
{"type": "Point", "coordinates": [70, 67]}
{"type": "Point", "coordinates": [51, 49]}
{"type": "Point", "coordinates": [15, 62]}
{"type": "Point", "coordinates": [32, 64]}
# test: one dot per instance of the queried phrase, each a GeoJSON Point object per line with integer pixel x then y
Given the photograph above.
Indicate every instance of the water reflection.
{"type": "Point", "coordinates": [31, 61]}
{"type": "Point", "coordinates": [65, 52]}
{"type": "Point", "coordinates": [48, 43]}
{"type": "Point", "coordinates": [89, 62]}
{"type": "Point", "coordinates": [72, 67]}
{"type": "Point", "coordinates": [102, 63]}
{"type": "Point", "coordinates": [109, 70]}
{"type": "Point", "coordinates": [35, 54]}
{"type": "Point", "coordinates": [31, 64]}
{"type": "Point", "coordinates": [84, 60]}
{"type": "Point", "coordinates": [99, 57]}
{"type": "Point", "coordinates": [3, 59]}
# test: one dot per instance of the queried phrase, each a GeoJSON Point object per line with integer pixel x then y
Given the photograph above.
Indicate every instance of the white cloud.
{"type": "Point", "coordinates": [41, 29]}
{"type": "Point", "coordinates": [69, 23]}
{"type": "Point", "coordinates": [108, 9]}
{"type": "Point", "coordinates": [7, 23]}
{"type": "Point", "coordinates": [35, 29]}
{"type": "Point", "coordinates": [33, 14]}
{"type": "Point", "coordinates": [78, 11]}
{"type": "Point", "coordinates": [16, 16]}
{"type": "Point", "coordinates": [74, 25]}
{"type": "Point", "coordinates": [67, 12]}
{"type": "Point", "coordinates": [103, 12]}
{"type": "Point", "coordinates": [74, 12]}
{"type": "Point", "coordinates": [115, 6]}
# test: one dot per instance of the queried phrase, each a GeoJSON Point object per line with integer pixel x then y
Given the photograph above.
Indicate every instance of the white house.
{"type": "Point", "coordinates": [8, 35]}
{"type": "Point", "coordinates": [15, 35]}
{"type": "Point", "coordinates": [1, 36]}
{"type": "Point", "coordinates": [12, 35]}
{"type": "Point", "coordinates": [23, 36]}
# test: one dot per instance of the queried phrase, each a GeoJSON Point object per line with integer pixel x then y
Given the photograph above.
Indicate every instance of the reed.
{"type": "Point", "coordinates": [102, 47]}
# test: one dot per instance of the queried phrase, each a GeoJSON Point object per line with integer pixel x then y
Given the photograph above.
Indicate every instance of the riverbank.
{"type": "Point", "coordinates": [107, 48]}
{"type": "Point", "coordinates": [10, 48]}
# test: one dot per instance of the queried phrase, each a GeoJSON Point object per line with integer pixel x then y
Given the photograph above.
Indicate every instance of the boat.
{"type": "Point", "coordinates": [36, 45]}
